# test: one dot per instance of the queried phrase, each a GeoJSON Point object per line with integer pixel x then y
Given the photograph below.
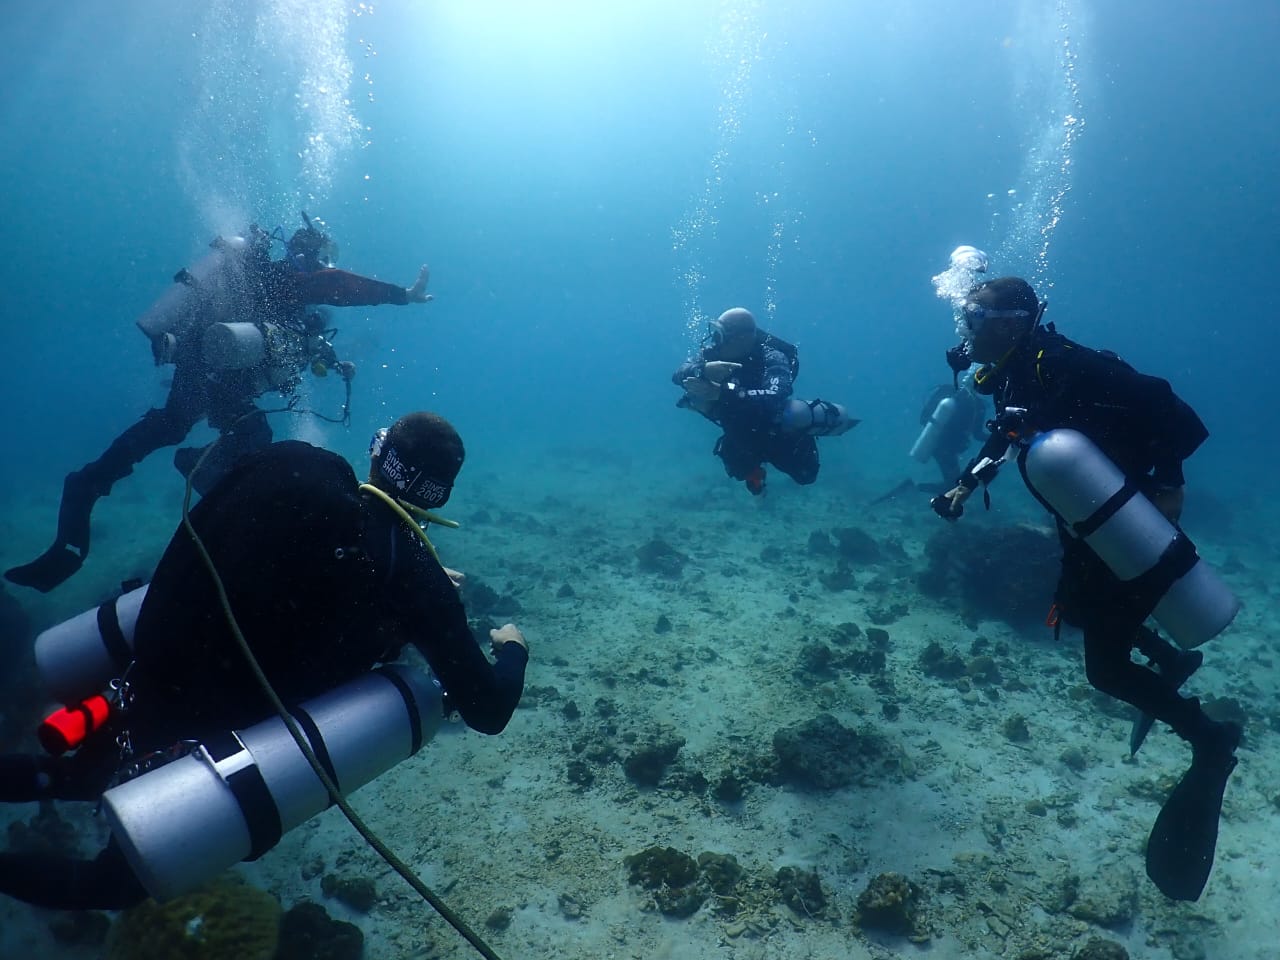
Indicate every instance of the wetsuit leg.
{"type": "Point", "coordinates": [1110, 669]}
{"type": "Point", "coordinates": [55, 882]}
{"type": "Point", "coordinates": [796, 455]}
{"type": "Point", "coordinates": [949, 466]}
{"type": "Point", "coordinates": [242, 429]}
{"type": "Point", "coordinates": [1160, 652]}
{"type": "Point", "coordinates": [1112, 621]}
{"type": "Point", "coordinates": [158, 427]}
{"type": "Point", "coordinates": [740, 453]}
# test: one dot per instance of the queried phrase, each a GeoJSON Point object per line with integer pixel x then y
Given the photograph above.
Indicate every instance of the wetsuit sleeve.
{"type": "Point", "coordinates": [690, 368]}
{"type": "Point", "coordinates": [338, 288]}
{"type": "Point", "coordinates": [983, 467]}
{"type": "Point", "coordinates": [758, 405]}
{"type": "Point", "coordinates": [1148, 417]}
{"type": "Point", "coordinates": [485, 694]}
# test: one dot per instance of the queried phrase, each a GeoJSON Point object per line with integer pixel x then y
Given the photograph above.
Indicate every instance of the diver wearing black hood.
{"type": "Point", "coordinates": [1040, 382]}
{"type": "Point", "coordinates": [234, 326]}
{"type": "Point", "coordinates": [326, 578]}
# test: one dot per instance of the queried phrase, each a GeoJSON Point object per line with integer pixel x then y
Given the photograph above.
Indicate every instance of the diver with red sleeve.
{"type": "Point", "coordinates": [235, 325]}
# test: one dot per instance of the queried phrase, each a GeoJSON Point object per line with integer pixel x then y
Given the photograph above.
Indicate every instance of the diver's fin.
{"type": "Point", "coordinates": [1182, 843]}
{"type": "Point", "coordinates": [903, 487]}
{"type": "Point", "coordinates": [1188, 662]}
{"type": "Point", "coordinates": [48, 570]}
{"type": "Point", "coordinates": [1142, 723]}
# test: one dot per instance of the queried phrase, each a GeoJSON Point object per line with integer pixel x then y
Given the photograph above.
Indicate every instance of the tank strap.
{"type": "Point", "coordinates": [1091, 523]}
{"type": "Point", "coordinates": [410, 704]}
{"type": "Point", "coordinates": [112, 636]}
{"type": "Point", "coordinates": [1175, 562]}
{"type": "Point", "coordinates": [249, 789]}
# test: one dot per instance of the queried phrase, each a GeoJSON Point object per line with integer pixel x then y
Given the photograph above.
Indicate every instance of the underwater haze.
{"type": "Point", "coordinates": [591, 183]}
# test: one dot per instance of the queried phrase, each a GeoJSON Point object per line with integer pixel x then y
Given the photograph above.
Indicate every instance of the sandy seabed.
{"type": "Point", "coordinates": [1007, 799]}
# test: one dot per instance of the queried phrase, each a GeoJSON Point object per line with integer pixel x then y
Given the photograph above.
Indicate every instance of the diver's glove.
{"type": "Point", "coordinates": [346, 369]}
{"type": "Point", "coordinates": [950, 505]}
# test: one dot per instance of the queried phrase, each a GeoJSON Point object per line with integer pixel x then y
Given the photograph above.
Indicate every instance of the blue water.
{"type": "Point", "coordinates": [590, 182]}
{"type": "Point", "coordinates": [543, 162]}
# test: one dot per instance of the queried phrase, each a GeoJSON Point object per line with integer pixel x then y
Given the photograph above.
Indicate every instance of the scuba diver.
{"type": "Point", "coordinates": [324, 578]}
{"type": "Point", "coordinates": [234, 325]}
{"type": "Point", "coordinates": [742, 381]}
{"type": "Point", "coordinates": [953, 416]}
{"type": "Point", "coordinates": [1101, 446]}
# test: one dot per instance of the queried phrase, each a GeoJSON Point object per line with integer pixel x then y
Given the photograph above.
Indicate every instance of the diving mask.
{"type": "Point", "coordinates": [971, 317]}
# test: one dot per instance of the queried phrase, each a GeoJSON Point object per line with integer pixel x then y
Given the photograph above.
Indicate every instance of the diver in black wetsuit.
{"type": "Point", "coordinates": [742, 380]}
{"type": "Point", "coordinates": [326, 580]}
{"type": "Point", "coordinates": [1042, 381]}
{"type": "Point", "coordinates": [271, 295]}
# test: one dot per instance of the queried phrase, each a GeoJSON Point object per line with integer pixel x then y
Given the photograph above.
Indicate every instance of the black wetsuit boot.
{"type": "Point", "coordinates": [160, 427]}
{"type": "Point", "coordinates": [71, 544]}
{"type": "Point", "coordinates": [1184, 839]}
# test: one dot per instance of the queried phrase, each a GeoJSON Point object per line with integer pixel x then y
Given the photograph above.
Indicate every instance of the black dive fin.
{"type": "Point", "coordinates": [1142, 723]}
{"type": "Point", "coordinates": [903, 487]}
{"type": "Point", "coordinates": [48, 570]}
{"type": "Point", "coordinates": [1181, 847]}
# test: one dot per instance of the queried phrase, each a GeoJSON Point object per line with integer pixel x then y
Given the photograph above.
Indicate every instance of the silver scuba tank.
{"type": "Point", "coordinates": [233, 346]}
{"type": "Point", "coordinates": [1078, 481]}
{"type": "Point", "coordinates": [818, 418]}
{"type": "Point", "coordinates": [931, 432]}
{"type": "Point", "coordinates": [234, 796]}
{"type": "Point", "coordinates": [78, 657]}
{"type": "Point", "coordinates": [212, 289]}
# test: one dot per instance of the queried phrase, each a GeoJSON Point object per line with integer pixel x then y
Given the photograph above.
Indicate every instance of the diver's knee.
{"type": "Point", "coordinates": [1102, 672]}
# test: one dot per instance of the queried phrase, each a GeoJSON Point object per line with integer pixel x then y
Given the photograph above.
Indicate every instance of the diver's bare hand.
{"type": "Point", "coordinates": [699, 390]}
{"type": "Point", "coordinates": [507, 633]}
{"type": "Point", "coordinates": [457, 577]}
{"type": "Point", "coordinates": [418, 292]}
{"type": "Point", "coordinates": [950, 505]}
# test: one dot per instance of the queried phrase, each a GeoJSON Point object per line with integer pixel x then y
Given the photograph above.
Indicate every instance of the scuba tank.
{"type": "Point", "coordinates": [78, 657]}
{"type": "Point", "coordinates": [933, 430]}
{"type": "Point", "coordinates": [237, 793]}
{"type": "Point", "coordinates": [1129, 534]}
{"type": "Point", "coordinates": [234, 346]}
{"type": "Point", "coordinates": [818, 418]}
{"type": "Point", "coordinates": [212, 289]}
